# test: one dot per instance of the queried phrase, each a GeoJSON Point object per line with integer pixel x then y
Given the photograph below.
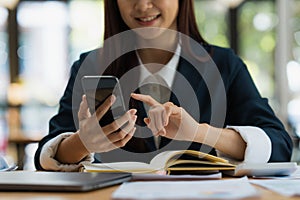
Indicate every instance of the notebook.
{"type": "Point", "coordinates": [59, 181]}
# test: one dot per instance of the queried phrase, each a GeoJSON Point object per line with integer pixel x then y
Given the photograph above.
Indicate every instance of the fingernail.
{"type": "Point", "coordinates": [133, 111]}
{"type": "Point", "coordinates": [164, 132]}
{"type": "Point", "coordinates": [112, 99]}
{"type": "Point", "coordinates": [134, 118]}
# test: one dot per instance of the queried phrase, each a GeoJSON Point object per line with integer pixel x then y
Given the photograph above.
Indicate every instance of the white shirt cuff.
{"type": "Point", "coordinates": [258, 144]}
{"type": "Point", "coordinates": [48, 153]}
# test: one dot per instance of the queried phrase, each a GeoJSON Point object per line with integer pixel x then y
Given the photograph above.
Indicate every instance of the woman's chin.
{"type": "Point", "coordinates": [149, 33]}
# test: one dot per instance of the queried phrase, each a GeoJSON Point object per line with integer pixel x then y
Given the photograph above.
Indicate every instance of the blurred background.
{"type": "Point", "coordinates": [40, 39]}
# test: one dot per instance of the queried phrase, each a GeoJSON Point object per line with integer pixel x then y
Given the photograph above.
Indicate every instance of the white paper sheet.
{"type": "Point", "coordinates": [283, 187]}
{"type": "Point", "coordinates": [209, 189]}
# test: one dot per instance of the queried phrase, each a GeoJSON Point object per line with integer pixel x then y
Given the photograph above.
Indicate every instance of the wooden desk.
{"type": "Point", "coordinates": [105, 194]}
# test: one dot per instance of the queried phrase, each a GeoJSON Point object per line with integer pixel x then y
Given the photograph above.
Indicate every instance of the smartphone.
{"type": "Point", "coordinates": [97, 89]}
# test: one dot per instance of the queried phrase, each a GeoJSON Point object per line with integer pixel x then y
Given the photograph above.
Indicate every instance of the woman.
{"type": "Point", "coordinates": [248, 130]}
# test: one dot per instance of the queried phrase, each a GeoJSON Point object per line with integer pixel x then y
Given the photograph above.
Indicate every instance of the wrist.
{"type": "Point", "coordinates": [210, 135]}
{"type": "Point", "coordinates": [202, 132]}
{"type": "Point", "coordinates": [71, 150]}
{"type": "Point", "coordinates": [81, 146]}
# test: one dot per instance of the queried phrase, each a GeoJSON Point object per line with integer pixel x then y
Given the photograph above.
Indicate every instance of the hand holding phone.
{"type": "Point", "coordinates": [97, 90]}
{"type": "Point", "coordinates": [97, 139]}
{"type": "Point", "coordinates": [107, 136]}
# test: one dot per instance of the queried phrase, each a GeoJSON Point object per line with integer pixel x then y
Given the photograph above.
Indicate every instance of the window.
{"type": "Point", "coordinates": [293, 69]}
{"type": "Point", "coordinates": [212, 22]}
{"type": "Point", "coordinates": [4, 62]}
{"type": "Point", "coordinates": [257, 35]}
{"type": "Point", "coordinates": [42, 53]}
{"type": "Point", "coordinates": [86, 25]}
{"type": "Point", "coordinates": [43, 50]}
{"type": "Point", "coordinates": [257, 29]}
{"type": "Point", "coordinates": [4, 77]}
{"type": "Point", "coordinates": [52, 34]}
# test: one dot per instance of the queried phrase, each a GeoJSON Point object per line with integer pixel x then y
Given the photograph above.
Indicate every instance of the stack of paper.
{"type": "Point", "coordinates": [221, 189]}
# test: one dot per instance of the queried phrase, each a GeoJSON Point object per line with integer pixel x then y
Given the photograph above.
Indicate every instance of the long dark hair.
{"type": "Point", "coordinates": [114, 24]}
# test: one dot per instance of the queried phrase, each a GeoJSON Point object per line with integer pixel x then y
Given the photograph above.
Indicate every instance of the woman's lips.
{"type": "Point", "coordinates": [147, 21]}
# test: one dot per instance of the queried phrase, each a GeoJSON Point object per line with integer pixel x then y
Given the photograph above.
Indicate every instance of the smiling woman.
{"type": "Point", "coordinates": [210, 79]}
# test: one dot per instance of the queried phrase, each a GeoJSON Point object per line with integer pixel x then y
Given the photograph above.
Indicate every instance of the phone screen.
{"type": "Point", "coordinates": [97, 90]}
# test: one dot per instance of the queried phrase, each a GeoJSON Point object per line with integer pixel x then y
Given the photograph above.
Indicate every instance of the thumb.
{"type": "Point", "coordinates": [83, 112]}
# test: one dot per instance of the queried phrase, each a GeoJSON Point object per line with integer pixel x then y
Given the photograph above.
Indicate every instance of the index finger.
{"type": "Point", "coordinates": [103, 108]}
{"type": "Point", "coordinates": [145, 98]}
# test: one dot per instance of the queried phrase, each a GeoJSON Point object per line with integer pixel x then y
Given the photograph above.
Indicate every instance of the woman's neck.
{"type": "Point", "coordinates": [155, 58]}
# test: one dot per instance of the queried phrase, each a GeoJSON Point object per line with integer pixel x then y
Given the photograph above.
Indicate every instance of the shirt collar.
{"type": "Point", "coordinates": [168, 72]}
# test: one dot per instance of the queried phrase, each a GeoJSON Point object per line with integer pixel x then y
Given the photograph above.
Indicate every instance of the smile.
{"type": "Point", "coordinates": [148, 19]}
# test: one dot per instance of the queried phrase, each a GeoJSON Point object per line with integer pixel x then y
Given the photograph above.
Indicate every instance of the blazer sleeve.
{"type": "Point", "coordinates": [247, 107]}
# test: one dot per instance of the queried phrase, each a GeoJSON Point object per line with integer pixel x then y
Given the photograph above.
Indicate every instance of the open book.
{"type": "Point", "coordinates": [168, 161]}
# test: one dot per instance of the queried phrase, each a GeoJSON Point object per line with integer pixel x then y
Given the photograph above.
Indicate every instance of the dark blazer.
{"type": "Point", "coordinates": [222, 95]}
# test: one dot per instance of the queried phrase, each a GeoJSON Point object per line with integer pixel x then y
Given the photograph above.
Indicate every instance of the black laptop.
{"type": "Point", "coordinates": [59, 181]}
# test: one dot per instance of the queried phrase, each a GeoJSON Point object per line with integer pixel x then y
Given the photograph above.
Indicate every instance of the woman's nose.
{"type": "Point", "coordinates": [143, 5]}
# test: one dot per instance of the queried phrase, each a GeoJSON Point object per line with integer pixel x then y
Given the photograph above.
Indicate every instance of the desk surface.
{"type": "Point", "coordinates": [105, 194]}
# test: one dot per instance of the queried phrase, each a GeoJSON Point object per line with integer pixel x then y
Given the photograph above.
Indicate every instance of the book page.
{"type": "Point", "coordinates": [206, 156]}
{"type": "Point", "coordinates": [165, 159]}
{"type": "Point", "coordinates": [164, 177]}
{"type": "Point", "coordinates": [161, 159]}
{"type": "Point", "coordinates": [138, 167]}
{"type": "Point", "coordinates": [159, 163]}
{"type": "Point", "coordinates": [203, 162]}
